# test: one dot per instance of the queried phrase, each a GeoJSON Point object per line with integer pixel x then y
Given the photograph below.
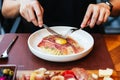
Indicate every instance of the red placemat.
{"type": "Point", "coordinates": [24, 59]}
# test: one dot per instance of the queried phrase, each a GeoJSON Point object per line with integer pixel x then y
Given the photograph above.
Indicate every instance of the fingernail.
{"type": "Point", "coordinates": [82, 26]}
{"type": "Point", "coordinates": [40, 25]}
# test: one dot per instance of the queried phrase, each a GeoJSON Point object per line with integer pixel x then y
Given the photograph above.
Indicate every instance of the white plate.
{"type": "Point", "coordinates": [82, 37]}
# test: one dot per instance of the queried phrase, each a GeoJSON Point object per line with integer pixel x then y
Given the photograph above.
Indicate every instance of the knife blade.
{"type": "Point", "coordinates": [52, 31]}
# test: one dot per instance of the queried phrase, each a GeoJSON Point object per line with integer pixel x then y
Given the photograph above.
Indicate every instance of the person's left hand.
{"type": "Point", "coordinates": [96, 14]}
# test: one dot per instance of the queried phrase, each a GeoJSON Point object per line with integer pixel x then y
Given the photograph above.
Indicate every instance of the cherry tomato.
{"type": "Point", "coordinates": [68, 72]}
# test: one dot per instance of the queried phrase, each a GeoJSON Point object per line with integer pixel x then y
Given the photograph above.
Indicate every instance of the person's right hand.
{"type": "Point", "coordinates": [32, 11]}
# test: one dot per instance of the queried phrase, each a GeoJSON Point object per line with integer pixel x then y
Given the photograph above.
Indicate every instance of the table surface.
{"type": "Point", "coordinates": [113, 46]}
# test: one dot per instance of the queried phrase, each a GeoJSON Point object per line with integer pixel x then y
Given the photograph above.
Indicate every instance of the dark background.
{"type": "Point", "coordinates": [17, 25]}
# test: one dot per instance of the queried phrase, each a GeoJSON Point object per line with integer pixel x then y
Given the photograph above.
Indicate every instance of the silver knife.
{"type": "Point", "coordinates": [52, 31]}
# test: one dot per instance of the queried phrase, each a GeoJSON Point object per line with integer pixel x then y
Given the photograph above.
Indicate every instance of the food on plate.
{"type": "Point", "coordinates": [82, 74]}
{"type": "Point", "coordinates": [106, 73]}
{"type": "Point", "coordinates": [57, 45]}
{"type": "Point", "coordinates": [72, 74]}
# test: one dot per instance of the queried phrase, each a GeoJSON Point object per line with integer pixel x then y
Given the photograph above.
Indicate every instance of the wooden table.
{"type": "Point", "coordinates": [113, 45]}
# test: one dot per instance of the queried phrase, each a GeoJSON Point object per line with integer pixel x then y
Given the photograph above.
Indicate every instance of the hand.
{"type": "Point", "coordinates": [96, 14]}
{"type": "Point", "coordinates": [32, 11]}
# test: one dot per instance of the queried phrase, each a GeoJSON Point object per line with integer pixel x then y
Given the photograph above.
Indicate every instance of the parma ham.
{"type": "Point", "coordinates": [57, 45]}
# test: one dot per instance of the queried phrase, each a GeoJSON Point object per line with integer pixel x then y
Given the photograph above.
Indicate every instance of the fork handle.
{"type": "Point", "coordinates": [11, 43]}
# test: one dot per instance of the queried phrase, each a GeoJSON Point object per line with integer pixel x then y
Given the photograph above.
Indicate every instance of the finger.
{"type": "Point", "coordinates": [107, 14]}
{"type": "Point", "coordinates": [24, 14]}
{"type": "Point", "coordinates": [101, 17]}
{"type": "Point", "coordinates": [94, 17]}
{"type": "Point", "coordinates": [40, 20]}
{"type": "Point", "coordinates": [32, 16]}
{"type": "Point", "coordinates": [39, 14]}
{"type": "Point", "coordinates": [88, 22]}
{"type": "Point", "coordinates": [27, 16]}
{"type": "Point", "coordinates": [87, 16]}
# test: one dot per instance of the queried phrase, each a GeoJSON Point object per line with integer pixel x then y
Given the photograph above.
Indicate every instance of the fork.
{"type": "Point", "coordinates": [5, 53]}
{"type": "Point", "coordinates": [75, 29]}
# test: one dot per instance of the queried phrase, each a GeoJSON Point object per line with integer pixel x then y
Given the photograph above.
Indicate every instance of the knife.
{"type": "Point", "coordinates": [52, 31]}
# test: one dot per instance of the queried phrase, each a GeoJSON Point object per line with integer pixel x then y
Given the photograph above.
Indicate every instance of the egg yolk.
{"type": "Point", "coordinates": [61, 41]}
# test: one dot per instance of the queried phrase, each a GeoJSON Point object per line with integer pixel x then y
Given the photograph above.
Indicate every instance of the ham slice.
{"type": "Point", "coordinates": [69, 47]}
{"type": "Point", "coordinates": [82, 74]}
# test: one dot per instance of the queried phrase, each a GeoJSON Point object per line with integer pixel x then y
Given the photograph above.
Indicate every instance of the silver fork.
{"type": "Point", "coordinates": [5, 53]}
{"type": "Point", "coordinates": [71, 31]}
{"type": "Point", "coordinates": [75, 29]}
